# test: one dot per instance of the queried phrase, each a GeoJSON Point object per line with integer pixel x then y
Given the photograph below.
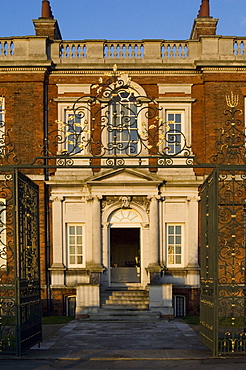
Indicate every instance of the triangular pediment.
{"type": "Point", "coordinates": [124, 176]}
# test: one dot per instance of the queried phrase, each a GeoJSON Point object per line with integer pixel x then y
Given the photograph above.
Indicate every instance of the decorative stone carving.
{"type": "Point", "coordinates": [109, 200]}
{"type": "Point", "coordinates": [125, 202]}
{"type": "Point", "coordinates": [57, 198]}
{"type": "Point", "coordinates": [142, 201]}
{"type": "Point", "coordinates": [144, 225]}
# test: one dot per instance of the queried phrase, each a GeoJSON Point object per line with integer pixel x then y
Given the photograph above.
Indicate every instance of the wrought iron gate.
{"type": "Point", "coordinates": [20, 304]}
{"type": "Point", "coordinates": [223, 300]}
{"type": "Point", "coordinates": [117, 128]}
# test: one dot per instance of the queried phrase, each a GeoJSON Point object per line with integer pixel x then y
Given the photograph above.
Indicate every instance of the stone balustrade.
{"type": "Point", "coordinates": [123, 50]}
{"type": "Point", "coordinates": [209, 48]}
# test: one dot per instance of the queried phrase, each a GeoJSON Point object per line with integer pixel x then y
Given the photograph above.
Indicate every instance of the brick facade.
{"type": "Point", "coordinates": [30, 84]}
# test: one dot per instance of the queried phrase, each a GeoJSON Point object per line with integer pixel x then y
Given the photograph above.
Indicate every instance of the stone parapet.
{"type": "Point", "coordinates": [143, 53]}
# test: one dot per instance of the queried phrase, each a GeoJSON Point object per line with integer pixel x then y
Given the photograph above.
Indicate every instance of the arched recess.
{"type": "Point", "coordinates": [124, 118]}
{"type": "Point", "coordinates": [124, 243]}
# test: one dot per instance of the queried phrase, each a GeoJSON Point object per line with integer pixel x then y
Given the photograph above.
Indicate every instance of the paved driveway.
{"type": "Point", "coordinates": [121, 345]}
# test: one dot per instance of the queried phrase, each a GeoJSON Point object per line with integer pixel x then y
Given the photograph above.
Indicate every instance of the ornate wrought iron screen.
{"type": "Point", "coordinates": [208, 265]}
{"type": "Point", "coordinates": [20, 305]}
{"type": "Point", "coordinates": [223, 297]}
{"type": "Point", "coordinates": [116, 127]}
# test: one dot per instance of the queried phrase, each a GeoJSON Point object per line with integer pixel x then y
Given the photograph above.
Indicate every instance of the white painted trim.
{"type": "Point", "coordinates": [68, 264]}
{"type": "Point", "coordinates": [73, 88]}
{"type": "Point", "coordinates": [175, 88]}
{"type": "Point", "coordinates": [183, 243]}
{"type": "Point", "coordinates": [186, 108]}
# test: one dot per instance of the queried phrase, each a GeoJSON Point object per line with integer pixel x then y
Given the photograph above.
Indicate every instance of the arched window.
{"type": "Point", "coordinates": [125, 216]}
{"type": "Point", "coordinates": [123, 125]}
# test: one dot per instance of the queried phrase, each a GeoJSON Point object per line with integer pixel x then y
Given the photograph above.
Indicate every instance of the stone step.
{"type": "Point", "coordinates": [130, 299]}
{"type": "Point", "coordinates": [126, 307]}
{"type": "Point", "coordinates": [133, 293]}
{"type": "Point", "coordinates": [124, 315]}
{"type": "Point", "coordinates": [125, 300]}
{"type": "Point", "coordinates": [126, 303]}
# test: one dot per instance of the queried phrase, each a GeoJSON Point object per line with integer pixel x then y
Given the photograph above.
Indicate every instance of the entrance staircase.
{"type": "Point", "coordinates": [124, 305]}
{"type": "Point", "coordinates": [127, 300]}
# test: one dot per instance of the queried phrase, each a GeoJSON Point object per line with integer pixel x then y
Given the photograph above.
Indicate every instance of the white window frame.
{"type": "Point", "coordinates": [175, 137]}
{"type": "Point", "coordinates": [137, 90]}
{"type": "Point", "coordinates": [82, 254]}
{"type": "Point", "coordinates": [175, 264]}
{"type": "Point", "coordinates": [3, 247]}
{"type": "Point", "coordinates": [120, 134]}
{"type": "Point", "coordinates": [183, 108]}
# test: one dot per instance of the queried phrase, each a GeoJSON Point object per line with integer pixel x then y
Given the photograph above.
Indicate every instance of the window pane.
{"type": "Point", "coordinates": [171, 239]}
{"type": "Point", "coordinates": [178, 229]}
{"type": "Point", "coordinates": [72, 240]}
{"type": "Point", "coordinates": [170, 249]}
{"type": "Point", "coordinates": [79, 230]}
{"type": "Point", "coordinates": [178, 118]}
{"type": "Point", "coordinates": [178, 239]}
{"type": "Point", "coordinates": [170, 229]}
{"type": "Point", "coordinates": [171, 259]}
{"type": "Point", "coordinates": [72, 260]}
{"type": "Point", "coordinates": [79, 250]}
{"type": "Point", "coordinates": [79, 240]}
{"type": "Point", "coordinates": [72, 230]}
{"type": "Point", "coordinates": [178, 250]}
{"type": "Point", "coordinates": [72, 249]}
{"type": "Point", "coordinates": [178, 259]}
{"type": "Point", "coordinates": [79, 260]}
{"type": "Point", "coordinates": [170, 117]}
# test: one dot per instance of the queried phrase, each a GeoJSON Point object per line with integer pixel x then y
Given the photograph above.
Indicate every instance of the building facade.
{"type": "Point", "coordinates": [118, 228]}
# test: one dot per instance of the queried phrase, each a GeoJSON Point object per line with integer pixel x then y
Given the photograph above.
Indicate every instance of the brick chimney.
{"type": "Point", "coordinates": [46, 10]}
{"type": "Point", "coordinates": [46, 25]}
{"type": "Point", "coordinates": [204, 24]}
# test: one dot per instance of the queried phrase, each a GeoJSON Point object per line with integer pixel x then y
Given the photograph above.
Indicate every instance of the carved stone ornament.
{"type": "Point", "coordinates": [108, 201]}
{"type": "Point", "coordinates": [143, 202]}
{"type": "Point", "coordinates": [125, 201]}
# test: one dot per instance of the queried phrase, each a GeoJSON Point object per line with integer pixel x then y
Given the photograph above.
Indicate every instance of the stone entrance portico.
{"type": "Point", "coordinates": [120, 212]}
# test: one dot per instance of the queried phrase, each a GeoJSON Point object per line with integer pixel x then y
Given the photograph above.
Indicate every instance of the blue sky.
{"type": "Point", "coordinates": [122, 19]}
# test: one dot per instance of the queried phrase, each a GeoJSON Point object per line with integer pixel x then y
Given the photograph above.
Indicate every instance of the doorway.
{"type": "Point", "coordinates": [125, 255]}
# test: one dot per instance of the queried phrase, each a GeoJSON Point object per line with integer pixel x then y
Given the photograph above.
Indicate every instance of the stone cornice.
{"type": "Point", "coordinates": [223, 69]}
{"type": "Point", "coordinates": [131, 72]}
{"type": "Point", "coordinates": [23, 69]}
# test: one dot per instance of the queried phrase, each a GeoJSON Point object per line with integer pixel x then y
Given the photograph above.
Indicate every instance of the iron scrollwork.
{"type": "Point", "coordinates": [116, 123]}
{"type": "Point", "coordinates": [230, 145]}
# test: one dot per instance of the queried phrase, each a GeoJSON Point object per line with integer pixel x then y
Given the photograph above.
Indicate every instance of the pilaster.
{"type": "Point", "coordinates": [57, 223]}
{"type": "Point", "coordinates": [154, 267]}
{"type": "Point", "coordinates": [57, 269]}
